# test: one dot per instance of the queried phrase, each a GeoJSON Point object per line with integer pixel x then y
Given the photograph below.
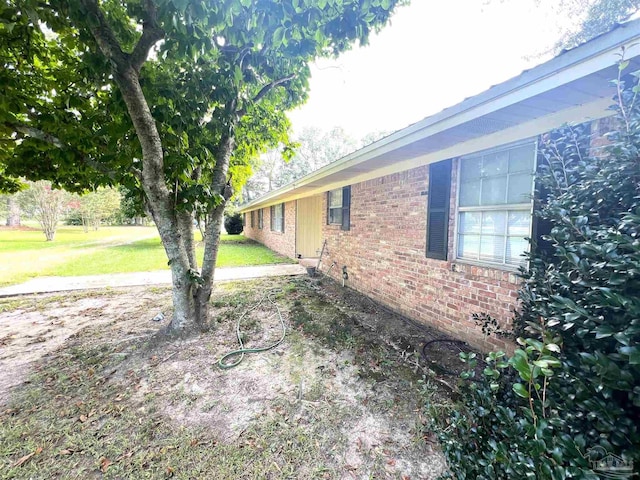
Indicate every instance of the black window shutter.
{"type": "Point", "coordinates": [346, 208]}
{"type": "Point", "coordinates": [438, 209]}
{"type": "Point", "coordinates": [328, 204]}
{"type": "Point", "coordinates": [271, 217]}
{"type": "Point", "coordinates": [282, 207]}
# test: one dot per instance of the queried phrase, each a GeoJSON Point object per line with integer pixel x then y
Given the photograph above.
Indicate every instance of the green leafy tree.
{"type": "Point", "coordinates": [598, 17]}
{"type": "Point", "coordinates": [314, 148]}
{"type": "Point", "coordinates": [131, 207]}
{"type": "Point", "coordinates": [570, 393]}
{"type": "Point", "coordinates": [97, 206]}
{"type": "Point", "coordinates": [45, 204]}
{"type": "Point", "coordinates": [10, 208]}
{"type": "Point", "coordinates": [171, 98]}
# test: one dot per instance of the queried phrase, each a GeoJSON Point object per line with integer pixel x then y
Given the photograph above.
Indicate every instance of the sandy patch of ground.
{"type": "Point", "coordinates": [334, 400]}
{"type": "Point", "coordinates": [31, 327]}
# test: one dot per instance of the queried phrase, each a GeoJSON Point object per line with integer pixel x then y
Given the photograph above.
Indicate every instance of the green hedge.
{"type": "Point", "coordinates": [570, 394]}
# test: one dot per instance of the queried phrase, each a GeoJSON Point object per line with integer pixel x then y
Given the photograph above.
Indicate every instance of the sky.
{"type": "Point", "coordinates": [434, 54]}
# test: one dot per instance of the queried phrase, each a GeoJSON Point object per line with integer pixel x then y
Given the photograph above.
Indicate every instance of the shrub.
{"type": "Point", "coordinates": [570, 393]}
{"type": "Point", "coordinates": [233, 224]}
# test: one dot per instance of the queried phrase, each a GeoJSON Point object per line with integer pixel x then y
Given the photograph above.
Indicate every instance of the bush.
{"type": "Point", "coordinates": [570, 393]}
{"type": "Point", "coordinates": [74, 217]}
{"type": "Point", "coordinates": [233, 224]}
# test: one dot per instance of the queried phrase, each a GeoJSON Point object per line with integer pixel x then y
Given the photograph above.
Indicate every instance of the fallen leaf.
{"type": "Point", "coordinates": [22, 460]}
{"type": "Point", "coordinates": [391, 461]}
{"type": "Point", "coordinates": [83, 418]}
{"type": "Point", "coordinates": [104, 464]}
{"type": "Point", "coordinates": [168, 472]}
{"type": "Point", "coordinates": [65, 452]}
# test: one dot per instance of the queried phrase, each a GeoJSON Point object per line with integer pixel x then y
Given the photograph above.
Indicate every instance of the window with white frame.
{"type": "Point", "coordinates": [495, 203]}
{"type": "Point", "coordinates": [277, 218]}
{"type": "Point", "coordinates": [335, 207]}
{"type": "Point", "coordinates": [260, 218]}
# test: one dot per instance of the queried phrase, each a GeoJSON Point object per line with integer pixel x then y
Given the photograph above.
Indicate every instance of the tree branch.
{"type": "Point", "coordinates": [38, 134]}
{"type": "Point", "coordinates": [103, 34]}
{"type": "Point", "coordinates": [266, 89]}
{"type": "Point", "coordinates": [151, 34]}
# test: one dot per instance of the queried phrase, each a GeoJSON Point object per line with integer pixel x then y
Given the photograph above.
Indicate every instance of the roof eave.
{"type": "Point", "coordinates": [487, 101]}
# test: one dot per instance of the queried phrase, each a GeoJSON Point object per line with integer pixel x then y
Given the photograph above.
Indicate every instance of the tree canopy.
{"type": "Point", "coordinates": [169, 98]}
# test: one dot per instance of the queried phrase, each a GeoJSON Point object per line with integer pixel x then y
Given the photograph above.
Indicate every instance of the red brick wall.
{"type": "Point", "coordinates": [384, 252]}
{"type": "Point", "coordinates": [283, 243]}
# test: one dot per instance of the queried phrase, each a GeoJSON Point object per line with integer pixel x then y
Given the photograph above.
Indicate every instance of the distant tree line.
{"type": "Point", "coordinates": [48, 206]}
{"type": "Point", "coordinates": [313, 149]}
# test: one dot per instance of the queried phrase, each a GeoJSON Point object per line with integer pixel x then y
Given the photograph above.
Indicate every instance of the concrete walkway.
{"type": "Point", "coordinates": [161, 277]}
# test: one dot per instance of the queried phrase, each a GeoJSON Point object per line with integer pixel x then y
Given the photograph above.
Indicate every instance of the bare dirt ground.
{"type": "Point", "coordinates": [90, 389]}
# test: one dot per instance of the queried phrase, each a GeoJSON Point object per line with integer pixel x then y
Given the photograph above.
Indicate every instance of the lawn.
{"type": "Point", "coordinates": [24, 254]}
{"type": "Point", "coordinates": [93, 390]}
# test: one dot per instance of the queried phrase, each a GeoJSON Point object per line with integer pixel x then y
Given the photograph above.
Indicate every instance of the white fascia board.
{"type": "Point", "coordinates": [591, 57]}
{"type": "Point", "coordinates": [530, 129]}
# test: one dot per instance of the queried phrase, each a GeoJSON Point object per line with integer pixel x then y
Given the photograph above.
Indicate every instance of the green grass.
{"type": "Point", "coordinates": [24, 254]}
{"type": "Point", "coordinates": [12, 241]}
{"type": "Point", "coordinates": [149, 255]}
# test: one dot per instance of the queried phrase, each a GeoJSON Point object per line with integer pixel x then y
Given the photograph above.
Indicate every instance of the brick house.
{"type": "Point", "coordinates": [432, 220]}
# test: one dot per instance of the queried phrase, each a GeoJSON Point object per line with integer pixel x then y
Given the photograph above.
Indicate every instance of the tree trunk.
{"type": "Point", "coordinates": [214, 224]}
{"type": "Point", "coordinates": [13, 209]}
{"type": "Point", "coordinates": [186, 227]}
{"type": "Point", "coordinates": [162, 206]}
{"type": "Point", "coordinates": [191, 291]}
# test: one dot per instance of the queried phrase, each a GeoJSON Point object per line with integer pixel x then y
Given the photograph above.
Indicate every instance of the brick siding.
{"type": "Point", "coordinates": [384, 252]}
{"type": "Point", "coordinates": [283, 243]}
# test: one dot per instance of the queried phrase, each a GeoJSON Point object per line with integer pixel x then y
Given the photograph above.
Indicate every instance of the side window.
{"type": "Point", "coordinates": [339, 207]}
{"type": "Point", "coordinates": [494, 205]}
{"type": "Point", "coordinates": [261, 218]}
{"type": "Point", "coordinates": [277, 218]}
